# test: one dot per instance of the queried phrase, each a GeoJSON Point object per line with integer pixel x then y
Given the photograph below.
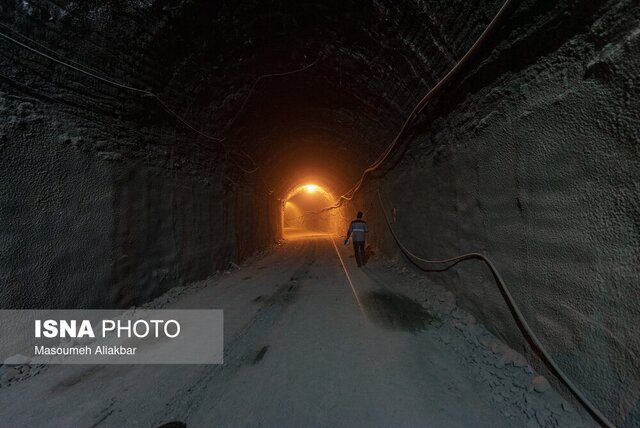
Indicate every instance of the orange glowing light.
{"type": "Point", "coordinates": [310, 188]}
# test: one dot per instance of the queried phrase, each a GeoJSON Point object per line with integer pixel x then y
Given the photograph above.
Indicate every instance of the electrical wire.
{"type": "Point", "coordinates": [349, 195]}
{"type": "Point", "coordinates": [256, 167]}
{"type": "Point", "coordinates": [78, 69]}
{"type": "Point", "coordinates": [515, 310]}
{"type": "Point", "coordinates": [109, 81]}
{"type": "Point", "coordinates": [149, 94]}
{"type": "Point", "coordinates": [143, 92]}
{"type": "Point", "coordinates": [42, 46]}
{"type": "Point", "coordinates": [266, 76]}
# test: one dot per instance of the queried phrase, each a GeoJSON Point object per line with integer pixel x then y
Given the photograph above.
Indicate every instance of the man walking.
{"type": "Point", "coordinates": [358, 230]}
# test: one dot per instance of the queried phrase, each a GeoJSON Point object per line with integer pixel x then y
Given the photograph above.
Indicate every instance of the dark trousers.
{"type": "Point", "coordinates": [358, 247]}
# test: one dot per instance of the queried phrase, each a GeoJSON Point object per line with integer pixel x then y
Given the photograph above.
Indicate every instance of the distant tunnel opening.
{"type": "Point", "coordinates": [305, 213]}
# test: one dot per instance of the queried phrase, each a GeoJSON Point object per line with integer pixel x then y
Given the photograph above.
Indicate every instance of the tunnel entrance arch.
{"type": "Point", "coordinates": [304, 212]}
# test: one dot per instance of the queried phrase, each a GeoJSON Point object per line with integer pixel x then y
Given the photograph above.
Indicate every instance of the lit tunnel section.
{"type": "Point", "coordinates": [304, 212]}
{"type": "Point", "coordinates": [307, 181]}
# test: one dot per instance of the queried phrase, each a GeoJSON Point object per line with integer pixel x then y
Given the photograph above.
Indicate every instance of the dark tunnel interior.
{"type": "Point", "coordinates": [146, 145]}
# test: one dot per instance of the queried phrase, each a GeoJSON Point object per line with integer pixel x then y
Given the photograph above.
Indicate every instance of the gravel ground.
{"type": "Point", "coordinates": [307, 346]}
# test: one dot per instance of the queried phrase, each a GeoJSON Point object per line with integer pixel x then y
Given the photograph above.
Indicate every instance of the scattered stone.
{"type": "Point", "coordinates": [485, 341]}
{"type": "Point", "coordinates": [540, 384]}
{"type": "Point", "coordinates": [519, 384]}
{"type": "Point", "coordinates": [496, 346]}
{"type": "Point", "coordinates": [543, 416]}
{"type": "Point", "coordinates": [520, 363]}
{"type": "Point", "coordinates": [10, 375]}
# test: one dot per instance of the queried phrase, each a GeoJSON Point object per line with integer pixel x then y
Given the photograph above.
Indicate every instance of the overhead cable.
{"type": "Point", "coordinates": [497, 19]}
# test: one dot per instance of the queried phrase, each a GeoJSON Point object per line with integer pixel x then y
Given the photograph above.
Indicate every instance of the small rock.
{"type": "Point", "coordinates": [540, 384]}
{"type": "Point", "coordinates": [519, 384]}
{"type": "Point", "coordinates": [10, 374]}
{"type": "Point", "coordinates": [542, 416]}
{"type": "Point", "coordinates": [485, 341]}
{"type": "Point", "coordinates": [520, 363]}
{"type": "Point", "coordinates": [495, 346]}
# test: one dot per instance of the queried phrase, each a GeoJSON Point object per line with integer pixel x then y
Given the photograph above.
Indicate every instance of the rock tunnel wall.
{"type": "Point", "coordinates": [88, 228]}
{"type": "Point", "coordinates": [106, 201]}
{"type": "Point", "coordinates": [539, 171]}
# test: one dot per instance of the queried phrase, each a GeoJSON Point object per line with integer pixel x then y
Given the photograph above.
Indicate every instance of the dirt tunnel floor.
{"type": "Point", "coordinates": [302, 350]}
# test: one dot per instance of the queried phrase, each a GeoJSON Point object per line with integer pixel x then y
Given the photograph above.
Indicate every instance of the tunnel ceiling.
{"type": "Point", "coordinates": [360, 73]}
{"type": "Point", "coordinates": [356, 68]}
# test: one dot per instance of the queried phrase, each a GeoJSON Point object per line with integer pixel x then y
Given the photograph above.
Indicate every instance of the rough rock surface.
{"type": "Point", "coordinates": [530, 155]}
{"type": "Point", "coordinates": [539, 171]}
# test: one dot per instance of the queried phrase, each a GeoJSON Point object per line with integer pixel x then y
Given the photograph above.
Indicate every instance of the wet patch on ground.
{"type": "Point", "coordinates": [397, 312]}
{"type": "Point", "coordinates": [246, 277]}
{"type": "Point", "coordinates": [260, 355]}
{"type": "Point", "coordinates": [258, 299]}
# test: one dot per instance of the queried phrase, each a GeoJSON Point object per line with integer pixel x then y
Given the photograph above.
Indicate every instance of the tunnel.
{"type": "Point", "coordinates": [305, 214]}
{"type": "Point", "coordinates": [214, 155]}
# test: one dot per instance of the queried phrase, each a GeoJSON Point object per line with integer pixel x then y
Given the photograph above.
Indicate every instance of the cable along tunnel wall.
{"type": "Point", "coordinates": [539, 172]}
